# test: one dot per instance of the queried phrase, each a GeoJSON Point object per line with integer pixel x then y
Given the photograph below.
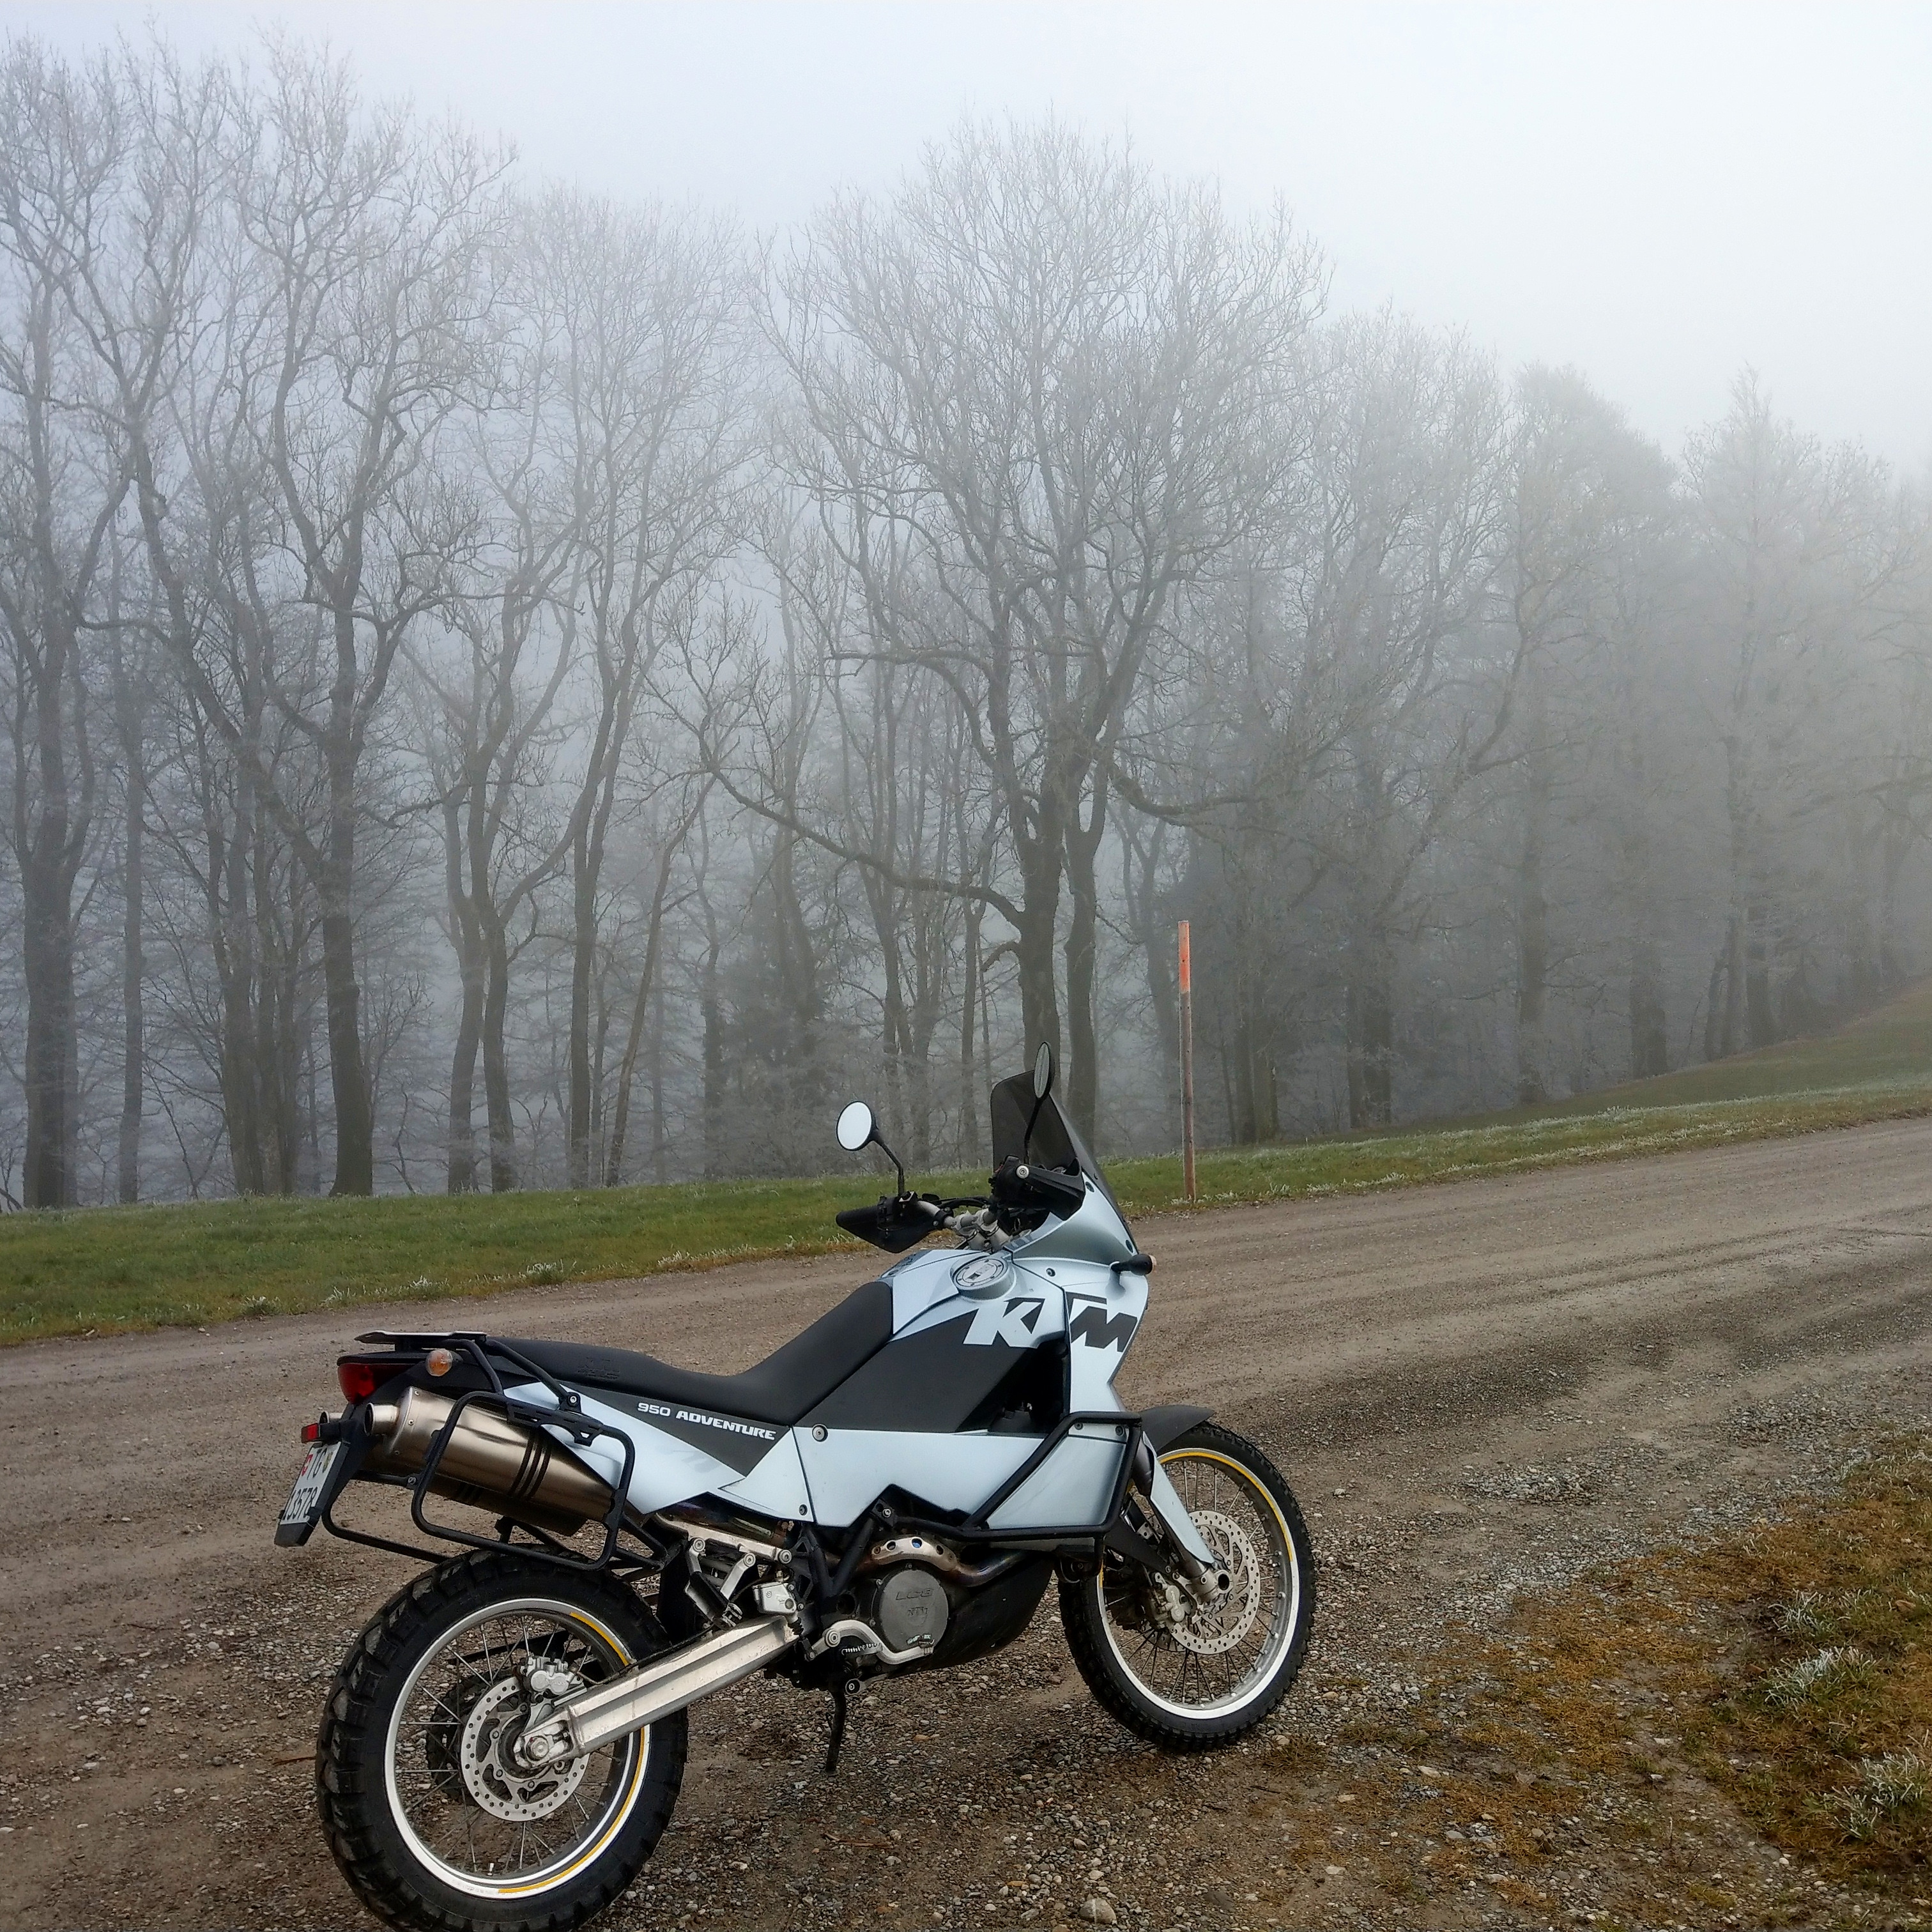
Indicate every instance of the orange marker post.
{"type": "Point", "coordinates": [1186, 1064]}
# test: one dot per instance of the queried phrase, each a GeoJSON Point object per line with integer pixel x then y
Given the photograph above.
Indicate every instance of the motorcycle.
{"type": "Point", "coordinates": [892, 1492]}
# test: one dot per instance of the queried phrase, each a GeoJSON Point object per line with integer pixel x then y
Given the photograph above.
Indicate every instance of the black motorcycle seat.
{"type": "Point", "coordinates": [780, 1389]}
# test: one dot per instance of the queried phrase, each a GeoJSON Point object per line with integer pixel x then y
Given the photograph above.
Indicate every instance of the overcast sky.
{"type": "Point", "coordinates": [1657, 196]}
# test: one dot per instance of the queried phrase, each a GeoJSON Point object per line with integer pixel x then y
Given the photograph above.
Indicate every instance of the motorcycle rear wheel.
{"type": "Point", "coordinates": [436, 1827]}
{"type": "Point", "coordinates": [1205, 1680]}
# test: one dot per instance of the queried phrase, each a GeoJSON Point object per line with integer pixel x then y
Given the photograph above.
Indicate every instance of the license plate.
{"type": "Point", "coordinates": [304, 1502]}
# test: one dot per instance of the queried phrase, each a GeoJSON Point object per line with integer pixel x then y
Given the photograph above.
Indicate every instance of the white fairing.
{"type": "Point", "coordinates": [776, 1486]}
{"type": "Point", "coordinates": [1073, 1486]}
{"type": "Point", "coordinates": [1059, 1279]}
{"type": "Point", "coordinates": [850, 1468]}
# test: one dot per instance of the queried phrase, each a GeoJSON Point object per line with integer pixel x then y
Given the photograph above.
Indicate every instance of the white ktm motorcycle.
{"type": "Point", "coordinates": [892, 1492]}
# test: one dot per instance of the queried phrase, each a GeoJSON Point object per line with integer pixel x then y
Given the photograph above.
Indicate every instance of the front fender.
{"type": "Point", "coordinates": [1162, 1425]}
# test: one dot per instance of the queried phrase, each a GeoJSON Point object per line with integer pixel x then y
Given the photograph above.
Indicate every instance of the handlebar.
{"type": "Point", "coordinates": [1023, 1193]}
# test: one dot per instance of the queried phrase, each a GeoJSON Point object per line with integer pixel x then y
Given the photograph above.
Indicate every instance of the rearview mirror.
{"type": "Point", "coordinates": [1043, 1072]}
{"type": "Point", "coordinates": [856, 1127]}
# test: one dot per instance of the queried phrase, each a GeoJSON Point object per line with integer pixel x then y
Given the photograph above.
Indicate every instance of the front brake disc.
{"type": "Point", "coordinates": [1208, 1632]}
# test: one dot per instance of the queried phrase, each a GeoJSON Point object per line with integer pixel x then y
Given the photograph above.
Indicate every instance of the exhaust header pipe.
{"type": "Point", "coordinates": [490, 1463]}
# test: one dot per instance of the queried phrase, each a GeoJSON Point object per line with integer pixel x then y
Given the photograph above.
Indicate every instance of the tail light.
{"type": "Point", "coordinates": [360, 1379]}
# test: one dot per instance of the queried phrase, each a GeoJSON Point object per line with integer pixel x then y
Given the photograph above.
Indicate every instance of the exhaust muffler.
{"type": "Point", "coordinates": [490, 1462]}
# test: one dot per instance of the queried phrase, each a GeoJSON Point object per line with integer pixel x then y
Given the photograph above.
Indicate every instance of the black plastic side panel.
{"type": "Point", "coordinates": [929, 1382]}
{"type": "Point", "coordinates": [729, 1439]}
{"type": "Point", "coordinates": [1031, 1396]}
{"type": "Point", "coordinates": [990, 1618]}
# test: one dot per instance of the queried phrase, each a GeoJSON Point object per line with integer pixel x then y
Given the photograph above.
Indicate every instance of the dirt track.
{"type": "Point", "coordinates": [1474, 1387]}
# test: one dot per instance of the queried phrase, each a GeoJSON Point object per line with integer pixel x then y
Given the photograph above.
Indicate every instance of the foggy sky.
{"type": "Point", "coordinates": [1657, 196]}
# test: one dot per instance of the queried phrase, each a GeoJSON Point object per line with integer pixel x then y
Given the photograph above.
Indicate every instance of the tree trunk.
{"type": "Point", "coordinates": [349, 1082]}
{"type": "Point", "coordinates": [236, 933]}
{"type": "Point", "coordinates": [1371, 1048]}
{"type": "Point", "coordinates": [1033, 950]}
{"type": "Point", "coordinates": [583, 947]}
{"type": "Point", "coordinates": [466, 941]}
{"type": "Point", "coordinates": [288, 1039]}
{"type": "Point", "coordinates": [1714, 1025]}
{"type": "Point", "coordinates": [1734, 981]}
{"type": "Point", "coordinates": [133, 1050]}
{"type": "Point", "coordinates": [647, 990]}
{"type": "Point", "coordinates": [129, 698]}
{"type": "Point", "coordinates": [48, 840]}
{"type": "Point", "coordinates": [1083, 1037]}
{"type": "Point", "coordinates": [967, 1142]}
{"type": "Point", "coordinates": [48, 1179]}
{"type": "Point", "coordinates": [660, 1137]}
{"type": "Point", "coordinates": [497, 1066]}
{"type": "Point", "coordinates": [717, 1156]}
{"type": "Point", "coordinates": [463, 1083]}
{"type": "Point", "coordinates": [348, 1086]}
{"type": "Point", "coordinates": [1532, 1041]}
{"type": "Point", "coordinates": [1157, 944]}
{"type": "Point", "coordinates": [1650, 1041]}
{"type": "Point", "coordinates": [1892, 966]}
{"type": "Point", "coordinates": [1649, 1022]}
{"type": "Point", "coordinates": [1760, 1017]}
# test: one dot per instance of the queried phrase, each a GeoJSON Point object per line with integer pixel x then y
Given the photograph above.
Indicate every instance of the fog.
{"type": "Point", "coordinates": [578, 585]}
{"type": "Point", "coordinates": [1658, 195]}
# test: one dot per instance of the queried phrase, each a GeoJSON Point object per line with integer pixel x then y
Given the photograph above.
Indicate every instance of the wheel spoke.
{"type": "Point", "coordinates": [465, 1802]}
{"type": "Point", "coordinates": [1219, 1657]}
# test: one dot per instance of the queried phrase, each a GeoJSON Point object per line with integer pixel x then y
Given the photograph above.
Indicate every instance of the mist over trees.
{"type": "Point", "coordinates": [503, 688]}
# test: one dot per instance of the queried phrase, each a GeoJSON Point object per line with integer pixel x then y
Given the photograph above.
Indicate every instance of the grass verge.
{"type": "Point", "coordinates": [106, 1270]}
{"type": "Point", "coordinates": [1740, 1734]}
{"type": "Point", "coordinates": [1821, 1726]}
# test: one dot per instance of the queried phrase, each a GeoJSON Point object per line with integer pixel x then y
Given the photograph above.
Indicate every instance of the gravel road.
{"type": "Point", "coordinates": [1476, 1389]}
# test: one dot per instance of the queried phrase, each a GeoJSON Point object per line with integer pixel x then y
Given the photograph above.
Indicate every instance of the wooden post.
{"type": "Point", "coordinates": [1186, 1065]}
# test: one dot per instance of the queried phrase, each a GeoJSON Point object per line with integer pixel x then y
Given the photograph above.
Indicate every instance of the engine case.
{"type": "Point", "coordinates": [909, 1606]}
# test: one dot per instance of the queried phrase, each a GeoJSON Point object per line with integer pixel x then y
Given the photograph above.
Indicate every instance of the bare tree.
{"type": "Point", "coordinates": [649, 306]}
{"type": "Point", "coordinates": [494, 705]}
{"type": "Point", "coordinates": [366, 244]}
{"type": "Point", "coordinates": [1411, 486]}
{"type": "Point", "coordinates": [1788, 583]}
{"type": "Point", "coordinates": [63, 477]}
{"type": "Point", "coordinates": [1038, 392]}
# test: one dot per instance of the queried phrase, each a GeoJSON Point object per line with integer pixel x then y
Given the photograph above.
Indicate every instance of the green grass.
{"type": "Point", "coordinates": [104, 1270]}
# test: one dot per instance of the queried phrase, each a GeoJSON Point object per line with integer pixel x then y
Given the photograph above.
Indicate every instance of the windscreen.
{"type": "Point", "coordinates": [1055, 1143]}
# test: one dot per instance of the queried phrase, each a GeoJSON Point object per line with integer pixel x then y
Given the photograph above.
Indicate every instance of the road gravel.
{"type": "Point", "coordinates": [1476, 1389]}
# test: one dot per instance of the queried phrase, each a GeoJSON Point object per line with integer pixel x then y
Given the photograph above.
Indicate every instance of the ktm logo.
{"type": "Point", "coordinates": [1099, 1330]}
{"type": "Point", "coordinates": [1012, 1322]}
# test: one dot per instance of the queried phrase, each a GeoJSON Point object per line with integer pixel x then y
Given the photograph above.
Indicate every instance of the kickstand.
{"type": "Point", "coordinates": [841, 1691]}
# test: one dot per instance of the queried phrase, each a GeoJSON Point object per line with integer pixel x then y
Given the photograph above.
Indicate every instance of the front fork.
{"type": "Point", "coordinates": [1199, 1569]}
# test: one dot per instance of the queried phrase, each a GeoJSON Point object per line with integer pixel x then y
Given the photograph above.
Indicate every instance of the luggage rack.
{"type": "Point", "coordinates": [568, 1414]}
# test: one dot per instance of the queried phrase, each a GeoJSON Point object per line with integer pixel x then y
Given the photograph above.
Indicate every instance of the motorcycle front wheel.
{"type": "Point", "coordinates": [431, 1817]}
{"type": "Point", "coordinates": [1183, 1677]}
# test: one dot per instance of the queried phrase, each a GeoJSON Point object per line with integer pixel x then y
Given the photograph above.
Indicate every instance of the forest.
{"type": "Point", "coordinates": [504, 689]}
